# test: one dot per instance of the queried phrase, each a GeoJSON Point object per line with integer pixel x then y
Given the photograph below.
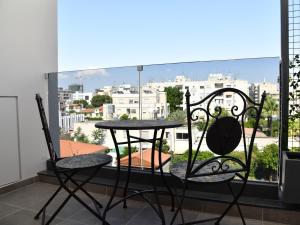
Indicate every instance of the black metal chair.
{"type": "Point", "coordinates": [223, 134]}
{"type": "Point", "coordinates": [66, 168]}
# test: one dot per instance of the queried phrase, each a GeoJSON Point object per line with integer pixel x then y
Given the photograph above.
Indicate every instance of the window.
{"type": "Point", "coordinates": [218, 85]}
{"type": "Point", "coordinates": [182, 136]}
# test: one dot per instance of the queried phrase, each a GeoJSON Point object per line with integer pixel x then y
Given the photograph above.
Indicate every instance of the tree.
{"type": "Point", "coordinates": [99, 100]}
{"type": "Point", "coordinates": [79, 136]}
{"type": "Point", "coordinates": [124, 117]}
{"type": "Point", "coordinates": [200, 125]}
{"type": "Point", "coordinates": [174, 97]}
{"type": "Point", "coordinates": [125, 152]}
{"type": "Point", "coordinates": [165, 147]}
{"type": "Point", "coordinates": [270, 108]}
{"type": "Point", "coordinates": [82, 102]}
{"type": "Point", "coordinates": [177, 115]}
{"type": "Point", "coordinates": [202, 155]}
{"type": "Point", "coordinates": [98, 136]}
{"type": "Point", "coordinates": [266, 163]}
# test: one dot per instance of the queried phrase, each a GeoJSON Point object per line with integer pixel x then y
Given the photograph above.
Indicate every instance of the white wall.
{"type": "Point", "coordinates": [28, 49]}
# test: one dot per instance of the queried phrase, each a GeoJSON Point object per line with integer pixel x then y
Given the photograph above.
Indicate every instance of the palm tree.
{"type": "Point", "coordinates": [270, 108]}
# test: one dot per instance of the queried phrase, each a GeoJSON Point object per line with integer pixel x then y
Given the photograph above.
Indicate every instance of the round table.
{"type": "Point", "coordinates": [129, 125]}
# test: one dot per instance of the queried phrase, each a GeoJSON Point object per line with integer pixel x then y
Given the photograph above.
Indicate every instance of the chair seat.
{"type": "Point", "coordinates": [84, 161]}
{"type": "Point", "coordinates": [179, 170]}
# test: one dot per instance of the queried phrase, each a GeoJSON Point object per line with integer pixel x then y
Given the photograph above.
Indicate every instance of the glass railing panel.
{"type": "Point", "coordinates": [157, 92]}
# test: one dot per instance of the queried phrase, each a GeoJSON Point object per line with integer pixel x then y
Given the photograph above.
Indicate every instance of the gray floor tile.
{"type": "Point", "coordinates": [6, 210]}
{"type": "Point", "coordinates": [23, 217]}
{"type": "Point", "coordinates": [29, 197]}
{"type": "Point", "coordinates": [146, 216]}
{"type": "Point", "coordinates": [19, 207]}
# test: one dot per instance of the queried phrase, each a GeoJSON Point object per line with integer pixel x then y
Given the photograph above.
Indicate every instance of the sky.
{"type": "Point", "coordinates": [102, 34]}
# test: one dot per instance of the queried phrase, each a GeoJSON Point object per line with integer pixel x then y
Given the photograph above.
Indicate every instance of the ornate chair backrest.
{"type": "Point", "coordinates": [52, 153]}
{"type": "Point", "coordinates": [223, 133]}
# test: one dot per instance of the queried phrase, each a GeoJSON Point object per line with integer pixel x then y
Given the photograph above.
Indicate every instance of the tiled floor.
{"type": "Point", "coordinates": [19, 207]}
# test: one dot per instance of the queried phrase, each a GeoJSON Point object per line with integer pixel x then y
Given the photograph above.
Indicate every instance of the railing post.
{"type": "Point", "coordinates": [53, 110]}
{"type": "Point", "coordinates": [284, 82]}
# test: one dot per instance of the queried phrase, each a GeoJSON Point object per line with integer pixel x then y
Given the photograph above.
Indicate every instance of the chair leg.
{"type": "Point", "coordinates": [72, 194]}
{"type": "Point", "coordinates": [97, 203]}
{"type": "Point", "coordinates": [237, 204]}
{"type": "Point", "coordinates": [179, 208]}
{"type": "Point", "coordinates": [234, 202]}
{"type": "Point", "coordinates": [43, 209]}
{"type": "Point", "coordinates": [47, 203]}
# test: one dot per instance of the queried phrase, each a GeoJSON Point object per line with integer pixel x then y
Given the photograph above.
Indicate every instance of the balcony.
{"type": "Point", "coordinates": [29, 55]}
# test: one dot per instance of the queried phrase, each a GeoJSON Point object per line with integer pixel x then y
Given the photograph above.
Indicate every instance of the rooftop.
{"type": "Point", "coordinates": [71, 148]}
{"type": "Point", "coordinates": [136, 159]}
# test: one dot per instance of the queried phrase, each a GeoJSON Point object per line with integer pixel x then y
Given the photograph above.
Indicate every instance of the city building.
{"type": "Point", "coordinates": [154, 103]}
{"type": "Point", "coordinates": [201, 88]}
{"type": "Point", "coordinates": [64, 95]}
{"type": "Point", "coordinates": [82, 96]}
{"type": "Point", "coordinates": [76, 88]}
{"type": "Point", "coordinates": [256, 90]}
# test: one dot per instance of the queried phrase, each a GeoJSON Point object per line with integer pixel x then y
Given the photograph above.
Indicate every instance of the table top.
{"type": "Point", "coordinates": [137, 124]}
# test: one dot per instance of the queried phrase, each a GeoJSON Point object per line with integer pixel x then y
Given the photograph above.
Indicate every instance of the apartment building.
{"type": "Point", "coordinates": [201, 88]}
{"type": "Point", "coordinates": [82, 96]}
{"type": "Point", "coordinates": [256, 90]}
{"type": "Point", "coordinates": [154, 103]}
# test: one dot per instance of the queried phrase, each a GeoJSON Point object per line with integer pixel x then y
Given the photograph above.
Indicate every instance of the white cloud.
{"type": "Point", "coordinates": [90, 72]}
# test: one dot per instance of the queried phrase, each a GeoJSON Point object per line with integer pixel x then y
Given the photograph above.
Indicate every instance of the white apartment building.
{"type": "Point", "coordinates": [82, 96]}
{"type": "Point", "coordinates": [106, 90]}
{"type": "Point", "coordinates": [201, 88]}
{"type": "Point", "coordinates": [154, 104]}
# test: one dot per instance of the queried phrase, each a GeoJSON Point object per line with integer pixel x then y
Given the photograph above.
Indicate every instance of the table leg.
{"type": "Point", "coordinates": [161, 169]}
{"type": "Point", "coordinates": [117, 175]}
{"type": "Point", "coordinates": [128, 170]}
{"type": "Point", "coordinates": [161, 213]}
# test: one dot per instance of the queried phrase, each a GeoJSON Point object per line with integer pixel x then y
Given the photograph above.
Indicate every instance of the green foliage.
{"type": "Point", "coordinates": [174, 97]}
{"type": "Point", "coordinates": [294, 106]}
{"type": "Point", "coordinates": [72, 111]}
{"type": "Point", "coordinates": [275, 128]}
{"type": "Point", "coordinates": [124, 117]}
{"type": "Point", "coordinates": [165, 146]}
{"type": "Point", "coordinates": [250, 123]}
{"type": "Point", "coordinates": [98, 136]}
{"type": "Point", "coordinates": [126, 151]}
{"type": "Point", "coordinates": [224, 112]}
{"type": "Point", "coordinates": [202, 155]}
{"type": "Point", "coordinates": [294, 127]}
{"type": "Point", "coordinates": [270, 107]}
{"type": "Point", "coordinates": [82, 102]}
{"type": "Point", "coordinates": [99, 100]}
{"type": "Point", "coordinates": [200, 125]}
{"type": "Point", "coordinates": [89, 107]}
{"type": "Point", "coordinates": [266, 163]}
{"type": "Point", "coordinates": [177, 115]}
{"type": "Point", "coordinates": [295, 149]}
{"type": "Point", "coordinates": [79, 136]}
